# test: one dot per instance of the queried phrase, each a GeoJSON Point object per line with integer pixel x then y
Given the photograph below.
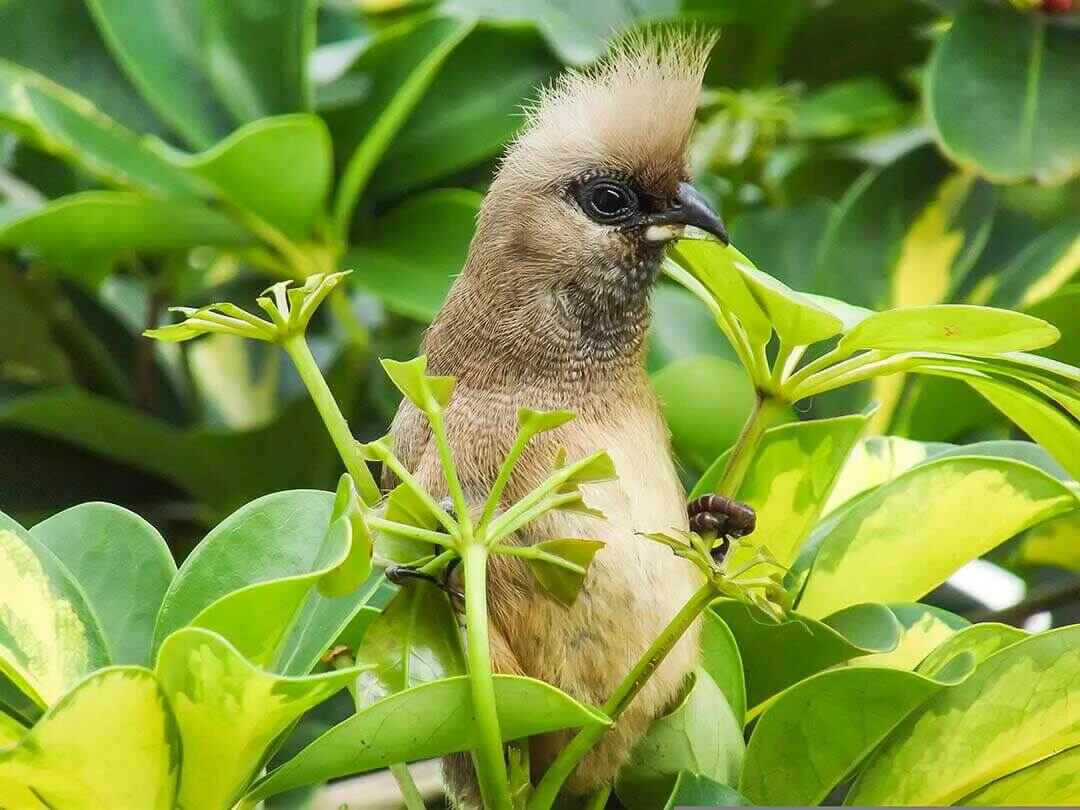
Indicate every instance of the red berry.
{"type": "Point", "coordinates": [1057, 6]}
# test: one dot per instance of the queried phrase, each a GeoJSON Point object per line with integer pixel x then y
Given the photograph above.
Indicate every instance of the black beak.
{"type": "Point", "coordinates": [691, 208]}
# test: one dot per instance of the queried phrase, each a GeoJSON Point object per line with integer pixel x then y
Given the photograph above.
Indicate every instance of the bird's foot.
{"type": "Point", "coordinates": [399, 574]}
{"type": "Point", "coordinates": [722, 518]}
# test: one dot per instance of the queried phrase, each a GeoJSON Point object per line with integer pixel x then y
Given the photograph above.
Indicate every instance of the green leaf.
{"type": "Point", "coordinates": [924, 629]}
{"type": "Point", "coordinates": [792, 475]}
{"type": "Point", "coordinates": [49, 638]}
{"type": "Point", "coordinates": [849, 710]}
{"type": "Point", "coordinates": [123, 566]}
{"type": "Point", "coordinates": [1039, 270]}
{"type": "Point", "coordinates": [64, 124]}
{"type": "Point", "coordinates": [463, 99]}
{"type": "Point", "coordinates": [11, 731]}
{"type": "Point", "coordinates": [416, 250]}
{"type": "Point", "coordinates": [87, 233]}
{"type": "Point", "coordinates": [875, 460]}
{"type": "Point", "coordinates": [1053, 782]}
{"type": "Point", "coordinates": [922, 515]}
{"type": "Point", "coordinates": [531, 422]}
{"type": "Point", "coordinates": [111, 742]}
{"type": "Point", "coordinates": [423, 722]}
{"type": "Point", "coordinates": [700, 735]}
{"type": "Point", "coordinates": [682, 328]}
{"type": "Point", "coordinates": [356, 567]}
{"type": "Point", "coordinates": [58, 39]}
{"type": "Point", "coordinates": [166, 63]}
{"type": "Point", "coordinates": [277, 536]}
{"type": "Point", "coordinates": [26, 339]}
{"type": "Point", "coordinates": [798, 320]}
{"type": "Point", "coordinates": [1052, 542]}
{"type": "Point", "coordinates": [1053, 429]}
{"type": "Point", "coordinates": [857, 252]}
{"type": "Point", "coordinates": [563, 576]}
{"type": "Point", "coordinates": [976, 643]}
{"type": "Point", "coordinates": [278, 169]}
{"type": "Point", "coordinates": [998, 95]}
{"type": "Point", "coordinates": [256, 55]}
{"type": "Point", "coordinates": [398, 67]}
{"type": "Point", "coordinates": [715, 266]}
{"type": "Point", "coordinates": [778, 655]}
{"type": "Point", "coordinates": [705, 401]}
{"type": "Point", "coordinates": [1020, 706]}
{"type": "Point", "coordinates": [958, 328]}
{"type": "Point", "coordinates": [695, 790]}
{"type": "Point", "coordinates": [415, 640]}
{"type": "Point", "coordinates": [426, 392]}
{"type": "Point", "coordinates": [777, 238]}
{"type": "Point", "coordinates": [213, 688]}
{"type": "Point", "coordinates": [847, 107]}
{"type": "Point", "coordinates": [721, 661]}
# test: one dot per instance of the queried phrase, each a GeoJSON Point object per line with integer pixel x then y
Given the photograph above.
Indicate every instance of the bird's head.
{"type": "Point", "coordinates": [586, 199]}
{"type": "Point", "coordinates": [597, 183]}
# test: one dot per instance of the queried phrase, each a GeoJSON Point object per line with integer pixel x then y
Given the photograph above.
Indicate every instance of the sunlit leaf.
{"type": "Point", "coordinates": [1020, 706]}
{"type": "Point", "coordinates": [112, 742]}
{"type": "Point", "coordinates": [909, 519]}
{"type": "Point", "coordinates": [1053, 782]}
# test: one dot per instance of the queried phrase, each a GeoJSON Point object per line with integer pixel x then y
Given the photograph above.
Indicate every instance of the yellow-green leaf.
{"type": "Point", "coordinates": [229, 712]}
{"type": "Point", "coordinates": [11, 731]}
{"type": "Point", "coordinates": [49, 639]}
{"type": "Point", "coordinates": [874, 461]}
{"type": "Point", "coordinates": [1019, 707]}
{"type": "Point", "coordinates": [1054, 782]}
{"type": "Point", "coordinates": [714, 266]}
{"type": "Point", "coordinates": [910, 535]}
{"type": "Point", "coordinates": [111, 743]}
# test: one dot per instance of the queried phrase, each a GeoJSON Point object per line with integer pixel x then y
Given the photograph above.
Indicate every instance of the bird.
{"type": "Point", "coordinates": [551, 311]}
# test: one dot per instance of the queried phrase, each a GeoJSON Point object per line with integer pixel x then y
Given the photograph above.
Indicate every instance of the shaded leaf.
{"type": "Point", "coordinates": [122, 564]}
{"type": "Point", "coordinates": [564, 576]}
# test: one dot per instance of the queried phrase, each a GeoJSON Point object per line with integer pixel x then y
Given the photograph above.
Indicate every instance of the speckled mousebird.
{"type": "Point", "coordinates": [551, 311]}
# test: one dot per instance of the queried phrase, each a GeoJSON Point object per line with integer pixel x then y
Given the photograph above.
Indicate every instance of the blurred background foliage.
{"type": "Point", "coordinates": [886, 152]}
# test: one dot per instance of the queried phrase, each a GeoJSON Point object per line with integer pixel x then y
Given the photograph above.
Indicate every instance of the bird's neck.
{"type": "Point", "coordinates": [571, 341]}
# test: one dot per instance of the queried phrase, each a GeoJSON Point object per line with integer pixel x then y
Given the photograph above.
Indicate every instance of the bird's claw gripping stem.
{"type": "Point", "coordinates": [722, 518]}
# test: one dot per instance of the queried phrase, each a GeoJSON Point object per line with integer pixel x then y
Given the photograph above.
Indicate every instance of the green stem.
{"type": "Point", "coordinates": [453, 483]}
{"type": "Point", "coordinates": [411, 532]}
{"type": "Point", "coordinates": [414, 799]}
{"type": "Point", "coordinates": [742, 454]}
{"type": "Point", "coordinates": [502, 480]}
{"type": "Point", "coordinates": [510, 522]}
{"type": "Point", "coordinates": [598, 801]}
{"type": "Point", "coordinates": [491, 766]}
{"type": "Point", "coordinates": [323, 397]}
{"type": "Point", "coordinates": [406, 478]}
{"type": "Point", "coordinates": [533, 553]}
{"type": "Point", "coordinates": [548, 790]}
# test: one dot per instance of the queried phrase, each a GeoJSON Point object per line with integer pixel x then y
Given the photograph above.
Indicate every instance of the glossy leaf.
{"type": "Point", "coordinates": [715, 266]}
{"type": "Point", "coordinates": [112, 742]}
{"type": "Point", "coordinates": [857, 252]}
{"type": "Point", "coordinates": [274, 537]}
{"type": "Point", "coordinates": [790, 480]}
{"type": "Point", "coordinates": [1053, 782]}
{"type": "Point", "coordinates": [49, 637]}
{"type": "Point", "coordinates": [853, 709]}
{"type": "Point", "coordinates": [722, 661]}
{"type": "Point", "coordinates": [1005, 111]}
{"type": "Point", "coordinates": [229, 712]}
{"type": "Point", "coordinates": [1053, 429]}
{"type": "Point", "coordinates": [1020, 706]}
{"type": "Point", "coordinates": [414, 640]}
{"type": "Point", "coordinates": [977, 642]}
{"type": "Point", "coordinates": [463, 99]}
{"type": "Point", "coordinates": [166, 64]}
{"type": "Point", "coordinates": [123, 566]}
{"type": "Point", "coordinates": [256, 55]}
{"type": "Point", "coordinates": [423, 722]}
{"type": "Point", "coordinates": [1053, 542]}
{"type": "Point", "coordinates": [66, 125]}
{"type": "Point", "coordinates": [924, 628]}
{"type": "Point", "coordinates": [875, 460]}
{"type": "Point", "coordinates": [277, 169]}
{"type": "Point", "coordinates": [916, 516]}
{"type": "Point", "coordinates": [701, 735]}
{"type": "Point", "coordinates": [777, 655]}
{"type": "Point", "coordinates": [563, 577]}
{"type": "Point", "coordinates": [355, 568]}
{"type": "Point", "coordinates": [416, 251]}
{"type": "Point", "coordinates": [398, 67]}
{"type": "Point", "coordinates": [86, 233]}
{"type": "Point", "coordinates": [957, 328]}
{"type": "Point", "coordinates": [695, 790]}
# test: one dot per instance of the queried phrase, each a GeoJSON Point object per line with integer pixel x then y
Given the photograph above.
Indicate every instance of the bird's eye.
{"type": "Point", "coordinates": [609, 201]}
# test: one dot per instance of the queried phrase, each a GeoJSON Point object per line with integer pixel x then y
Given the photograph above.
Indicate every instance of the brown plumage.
{"type": "Point", "coordinates": [551, 311]}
